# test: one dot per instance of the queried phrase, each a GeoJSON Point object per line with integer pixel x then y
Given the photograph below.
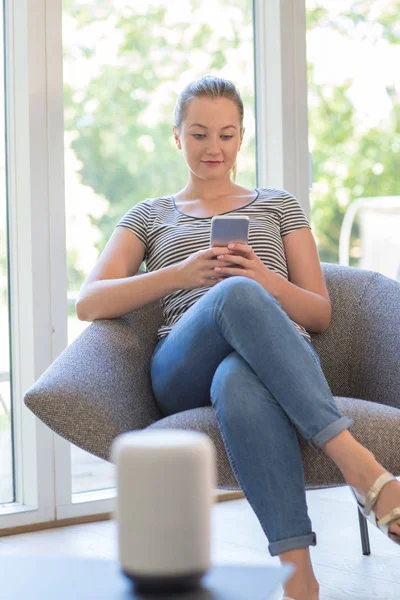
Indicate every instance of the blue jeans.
{"type": "Point", "coordinates": [238, 350]}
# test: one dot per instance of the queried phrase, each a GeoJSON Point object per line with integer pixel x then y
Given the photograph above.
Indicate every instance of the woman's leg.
{"type": "Point", "coordinates": [185, 362]}
{"type": "Point", "coordinates": [264, 454]}
{"type": "Point", "coordinates": [238, 314]}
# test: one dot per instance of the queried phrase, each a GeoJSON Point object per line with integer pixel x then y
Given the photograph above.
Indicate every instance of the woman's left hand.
{"type": "Point", "coordinates": [247, 264]}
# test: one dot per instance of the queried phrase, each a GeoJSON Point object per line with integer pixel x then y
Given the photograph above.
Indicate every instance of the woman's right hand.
{"type": "Point", "coordinates": [197, 270]}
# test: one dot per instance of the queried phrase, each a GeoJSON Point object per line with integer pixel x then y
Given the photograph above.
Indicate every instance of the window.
{"type": "Point", "coordinates": [104, 136]}
{"type": "Point", "coordinates": [354, 132]}
{"type": "Point", "coordinates": [124, 66]}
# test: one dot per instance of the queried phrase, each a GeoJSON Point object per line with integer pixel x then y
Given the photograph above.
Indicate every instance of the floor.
{"type": "Point", "coordinates": [237, 537]}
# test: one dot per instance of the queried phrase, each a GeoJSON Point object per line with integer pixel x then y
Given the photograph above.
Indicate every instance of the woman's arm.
{"type": "Point", "coordinates": [304, 297]}
{"type": "Point", "coordinates": [112, 289]}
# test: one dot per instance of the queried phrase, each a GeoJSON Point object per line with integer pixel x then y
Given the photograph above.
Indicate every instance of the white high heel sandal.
{"type": "Point", "coordinates": [371, 499]}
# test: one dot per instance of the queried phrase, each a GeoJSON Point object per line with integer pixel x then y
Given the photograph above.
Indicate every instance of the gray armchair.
{"type": "Point", "coordinates": [100, 385]}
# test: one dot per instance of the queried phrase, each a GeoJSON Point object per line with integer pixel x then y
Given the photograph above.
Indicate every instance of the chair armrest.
{"type": "Point", "coordinates": [375, 357]}
{"type": "Point", "coordinates": [100, 385]}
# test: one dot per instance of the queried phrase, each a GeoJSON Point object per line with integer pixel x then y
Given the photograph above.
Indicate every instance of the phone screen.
{"type": "Point", "coordinates": [225, 230]}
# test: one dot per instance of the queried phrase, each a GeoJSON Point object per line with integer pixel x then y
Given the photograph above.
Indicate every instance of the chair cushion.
{"type": "Point", "coordinates": [377, 427]}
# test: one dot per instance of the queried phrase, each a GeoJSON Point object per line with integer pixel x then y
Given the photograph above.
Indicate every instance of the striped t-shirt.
{"type": "Point", "coordinates": [170, 236]}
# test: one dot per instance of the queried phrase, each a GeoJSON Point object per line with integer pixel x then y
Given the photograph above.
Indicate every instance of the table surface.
{"type": "Point", "coordinates": [70, 578]}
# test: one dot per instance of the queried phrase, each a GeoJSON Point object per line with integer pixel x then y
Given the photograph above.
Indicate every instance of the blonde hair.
{"type": "Point", "coordinates": [208, 86]}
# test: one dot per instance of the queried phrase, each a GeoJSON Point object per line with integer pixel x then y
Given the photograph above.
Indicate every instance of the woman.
{"type": "Point", "coordinates": [243, 340]}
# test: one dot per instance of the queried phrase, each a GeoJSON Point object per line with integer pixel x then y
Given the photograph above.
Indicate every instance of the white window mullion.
{"type": "Point", "coordinates": [281, 96]}
{"type": "Point", "coordinates": [67, 504]}
{"type": "Point", "coordinates": [28, 201]}
{"type": "Point", "coordinates": [58, 261]}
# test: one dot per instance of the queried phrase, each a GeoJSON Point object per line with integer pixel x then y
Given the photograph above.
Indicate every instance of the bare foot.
{"type": "Point", "coordinates": [297, 592]}
{"type": "Point", "coordinates": [303, 584]}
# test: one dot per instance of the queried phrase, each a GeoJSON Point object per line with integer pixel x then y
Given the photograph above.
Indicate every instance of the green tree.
{"type": "Point", "coordinates": [124, 139]}
{"type": "Point", "coordinates": [350, 163]}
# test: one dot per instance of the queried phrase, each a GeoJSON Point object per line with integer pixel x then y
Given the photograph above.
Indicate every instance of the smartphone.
{"type": "Point", "coordinates": [226, 230]}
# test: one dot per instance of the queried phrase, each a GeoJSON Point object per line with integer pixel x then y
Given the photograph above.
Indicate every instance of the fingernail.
{"type": "Point", "coordinates": [231, 245]}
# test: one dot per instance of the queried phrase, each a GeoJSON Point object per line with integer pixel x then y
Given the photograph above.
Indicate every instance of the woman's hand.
{"type": "Point", "coordinates": [247, 264]}
{"type": "Point", "coordinates": [198, 270]}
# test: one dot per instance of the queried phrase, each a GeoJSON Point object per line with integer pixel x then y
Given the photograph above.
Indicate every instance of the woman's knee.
{"type": "Point", "coordinates": [241, 293]}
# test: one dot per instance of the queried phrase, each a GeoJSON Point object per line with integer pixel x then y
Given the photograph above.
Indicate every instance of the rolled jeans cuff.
{"type": "Point", "coordinates": [330, 432]}
{"type": "Point", "coordinates": [302, 541]}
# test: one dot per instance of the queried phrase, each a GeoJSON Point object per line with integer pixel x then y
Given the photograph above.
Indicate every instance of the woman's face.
{"type": "Point", "coordinates": [210, 136]}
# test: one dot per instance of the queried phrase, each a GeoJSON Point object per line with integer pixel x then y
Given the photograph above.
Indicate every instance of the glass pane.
{"type": "Point", "coordinates": [354, 131]}
{"type": "Point", "coordinates": [6, 453]}
{"type": "Point", "coordinates": [124, 66]}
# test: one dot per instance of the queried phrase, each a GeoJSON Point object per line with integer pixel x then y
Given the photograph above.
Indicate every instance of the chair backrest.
{"type": "Point", "coordinates": [360, 351]}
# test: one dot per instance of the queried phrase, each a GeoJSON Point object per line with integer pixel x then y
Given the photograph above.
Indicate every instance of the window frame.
{"type": "Point", "coordinates": [280, 59]}
{"type": "Point", "coordinates": [30, 284]}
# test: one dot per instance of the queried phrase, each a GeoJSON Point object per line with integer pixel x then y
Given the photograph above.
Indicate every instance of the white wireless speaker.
{"type": "Point", "coordinates": [165, 483]}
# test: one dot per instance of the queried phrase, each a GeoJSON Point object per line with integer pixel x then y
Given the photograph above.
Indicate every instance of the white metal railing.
{"type": "Point", "coordinates": [379, 226]}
